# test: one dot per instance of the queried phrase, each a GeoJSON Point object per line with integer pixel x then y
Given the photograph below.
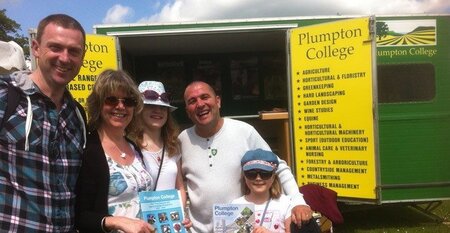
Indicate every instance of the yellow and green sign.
{"type": "Point", "coordinates": [333, 111]}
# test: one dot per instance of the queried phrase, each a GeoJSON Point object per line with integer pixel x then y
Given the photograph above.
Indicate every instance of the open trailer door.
{"type": "Point", "coordinates": [333, 106]}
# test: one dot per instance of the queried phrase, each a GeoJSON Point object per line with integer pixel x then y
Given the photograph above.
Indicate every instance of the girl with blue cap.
{"type": "Point", "coordinates": [262, 188]}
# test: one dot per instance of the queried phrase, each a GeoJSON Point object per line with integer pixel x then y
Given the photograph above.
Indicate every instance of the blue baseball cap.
{"type": "Point", "coordinates": [259, 159]}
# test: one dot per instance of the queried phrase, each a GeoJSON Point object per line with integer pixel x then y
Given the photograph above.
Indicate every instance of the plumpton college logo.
{"type": "Point", "coordinates": [406, 32]}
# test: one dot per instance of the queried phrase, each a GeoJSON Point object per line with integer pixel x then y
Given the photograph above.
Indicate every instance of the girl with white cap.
{"type": "Point", "coordinates": [158, 139]}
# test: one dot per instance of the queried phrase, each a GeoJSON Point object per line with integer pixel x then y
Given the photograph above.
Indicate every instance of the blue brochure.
{"type": "Point", "coordinates": [163, 209]}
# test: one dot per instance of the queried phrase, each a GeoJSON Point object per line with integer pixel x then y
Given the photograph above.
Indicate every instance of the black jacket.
{"type": "Point", "coordinates": [92, 186]}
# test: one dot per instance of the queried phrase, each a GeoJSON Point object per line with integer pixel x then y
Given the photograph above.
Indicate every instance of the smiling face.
{"type": "Point", "coordinates": [203, 107]}
{"type": "Point", "coordinates": [154, 116]}
{"type": "Point", "coordinates": [59, 54]}
{"type": "Point", "coordinates": [118, 115]}
{"type": "Point", "coordinates": [259, 186]}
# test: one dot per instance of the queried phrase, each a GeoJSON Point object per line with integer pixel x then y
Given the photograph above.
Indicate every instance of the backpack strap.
{"type": "Point", "coordinates": [13, 98]}
{"type": "Point", "coordinates": [83, 113]}
{"type": "Point", "coordinates": [80, 111]}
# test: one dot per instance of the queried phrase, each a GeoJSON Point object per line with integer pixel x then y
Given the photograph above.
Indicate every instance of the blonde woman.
{"type": "Point", "coordinates": [112, 171]}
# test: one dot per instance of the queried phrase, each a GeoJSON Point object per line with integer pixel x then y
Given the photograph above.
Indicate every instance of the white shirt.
{"type": "Point", "coordinates": [124, 184]}
{"type": "Point", "coordinates": [169, 170]}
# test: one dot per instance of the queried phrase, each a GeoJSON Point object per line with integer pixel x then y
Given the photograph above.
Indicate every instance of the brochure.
{"type": "Point", "coordinates": [163, 209]}
{"type": "Point", "coordinates": [231, 218]}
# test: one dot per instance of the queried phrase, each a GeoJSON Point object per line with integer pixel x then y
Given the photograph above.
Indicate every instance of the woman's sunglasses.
{"type": "Point", "coordinates": [252, 174]}
{"type": "Point", "coordinates": [114, 101]}
{"type": "Point", "coordinates": [153, 95]}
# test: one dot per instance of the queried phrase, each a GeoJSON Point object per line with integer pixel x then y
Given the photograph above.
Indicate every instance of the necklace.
{"type": "Point", "coordinates": [123, 155]}
{"type": "Point", "coordinates": [103, 136]}
{"type": "Point", "coordinates": [157, 156]}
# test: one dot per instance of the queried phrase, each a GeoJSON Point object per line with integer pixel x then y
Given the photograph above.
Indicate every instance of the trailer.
{"type": "Point", "coordinates": [398, 154]}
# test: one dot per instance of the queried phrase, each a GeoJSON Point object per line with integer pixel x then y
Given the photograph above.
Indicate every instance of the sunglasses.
{"type": "Point", "coordinates": [114, 101]}
{"type": "Point", "coordinates": [252, 174]}
{"type": "Point", "coordinates": [153, 95]}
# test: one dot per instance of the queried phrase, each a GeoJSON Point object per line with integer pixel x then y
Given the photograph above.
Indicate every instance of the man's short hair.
{"type": "Point", "coordinates": [62, 20]}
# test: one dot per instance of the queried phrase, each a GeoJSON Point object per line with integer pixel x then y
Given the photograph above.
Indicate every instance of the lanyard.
{"type": "Point", "coordinates": [160, 165]}
{"type": "Point", "coordinates": [264, 213]}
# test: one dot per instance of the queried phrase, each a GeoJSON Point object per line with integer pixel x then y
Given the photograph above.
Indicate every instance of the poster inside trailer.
{"type": "Point", "coordinates": [100, 54]}
{"type": "Point", "coordinates": [334, 106]}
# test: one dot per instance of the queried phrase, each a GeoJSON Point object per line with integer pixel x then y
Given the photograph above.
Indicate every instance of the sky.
{"type": "Point", "coordinates": [94, 12]}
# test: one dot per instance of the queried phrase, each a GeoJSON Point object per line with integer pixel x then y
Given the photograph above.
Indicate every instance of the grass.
{"type": "Point", "coordinates": [396, 218]}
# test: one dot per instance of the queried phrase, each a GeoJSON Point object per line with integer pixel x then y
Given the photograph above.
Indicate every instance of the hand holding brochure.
{"type": "Point", "coordinates": [163, 209]}
{"type": "Point", "coordinates": [232, 218]}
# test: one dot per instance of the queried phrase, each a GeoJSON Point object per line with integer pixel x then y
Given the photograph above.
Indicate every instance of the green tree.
{"type": "Point", "coordinates": [9, 30]}
{"type": "Point", "coordinates": [382, 29]}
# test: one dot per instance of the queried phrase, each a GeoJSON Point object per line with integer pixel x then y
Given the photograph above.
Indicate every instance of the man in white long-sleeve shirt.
{"type": "Point", "coordinates": [211, 153]}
